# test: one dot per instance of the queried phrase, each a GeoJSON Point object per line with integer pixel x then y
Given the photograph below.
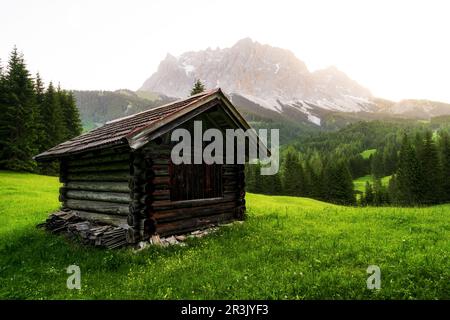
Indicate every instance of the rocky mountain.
{"type": "Point", "coordinates": [261, 79]}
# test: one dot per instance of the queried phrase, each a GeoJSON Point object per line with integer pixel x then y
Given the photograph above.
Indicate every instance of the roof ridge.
{"type": "Point", "coordinates": [201, 94]}
{"type": "Point", "coordinates": [120, 130]}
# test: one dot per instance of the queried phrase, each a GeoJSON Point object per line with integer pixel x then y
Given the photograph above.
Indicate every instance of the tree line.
{"type": "Point", "coordinates": [33, 118]}
{"type": "Point", "coordinates": [414, 158]}
{"type": "Point", "coordinates": [316, 178]}
{"type": "Point", "coordinates": [422, 176]}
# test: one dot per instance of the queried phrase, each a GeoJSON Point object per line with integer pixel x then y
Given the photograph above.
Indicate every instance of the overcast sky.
{"type": "Point", "coordinates": [397, 49]}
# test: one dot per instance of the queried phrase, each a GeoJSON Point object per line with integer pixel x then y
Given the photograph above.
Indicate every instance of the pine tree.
{"type": "Point", "coordinates": [408, 175]}
{"type": "Point", "coordinates": [293, 175]}
{"type": "Point", "coordinates": [390, 159]}
{"type": "Point", "coordinates": [339, 183]}
{"type": "Point", "coordinates": [393, 190]}
{"type": "Point", "coordinates": [17, 131]}
{"type": "Point", "coordinates": [39, 120]}
{"type": "Point", "coordinates": [198, 87]}
{"type": "Point", "coordinates": [368, 194]}
{"type": "Point", "coordinates": [272, 184]}
{"type": "Point", "coordinates": [377, 164]}
{"type": "Point", "coordinates": [3, 108]}
{"type": "Point", "coordinates": [71, 116]}
{"type": "Point", "coordinates": [75, 127]}
{"type": "Point", "coordinates": [53, 118]}
{"type": "Point", "coordinates": [445, 161]}
{"type": "Point", "coordinates": [380, 196]}
{"type": "Point", "coordinates": [430, 171]}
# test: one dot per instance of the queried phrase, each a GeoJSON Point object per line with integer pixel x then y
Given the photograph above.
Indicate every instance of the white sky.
{"type": "Point", "coordinates": [397, 49]}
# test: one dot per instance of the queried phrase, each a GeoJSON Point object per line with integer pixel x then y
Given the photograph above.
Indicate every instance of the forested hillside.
{"type": "Point", "coordinates": [323, 165]}
{"type": "Point", "coordinates": [33, 118]}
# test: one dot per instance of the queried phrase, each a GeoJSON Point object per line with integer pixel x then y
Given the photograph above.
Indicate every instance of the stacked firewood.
{"type": "Point", "coordinates": [89, 232]}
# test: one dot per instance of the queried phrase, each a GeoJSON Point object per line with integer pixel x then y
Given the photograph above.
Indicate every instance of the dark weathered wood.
{"type": "Point", "coordinates": [192, 224]}
{"type": "Point", "coordinates": [100, 176]}
{"type": "Point", "coordinates": [230, 188]}
{"type": "Point", "coordinates": [97, 206]}
{"type": "Point", "coordinates": [187, 213]}
{"type": "Point", "coordinates": [104, 218]}
{"type": "Point", "coordinates": [160, 192]}
{"type": "Point", "coordinates": [98, 196]}
{"type": "Point", "coordinates": [115, 166]}
{"type": "Point", "coordinates": [161, 180]}
{"type": "Point", "coordinates": [118, 156]}
{"type": "Point", "coordinates": [98, 186]}
{"type": "Point", "coordinates": [157, 160]}
{"type": "Point", "coordinates": [156, 197]}
{"type": "Point", "coordinates": [167, 205]}
{"type": "Point", "coordinates": [62, 171]}
{"type": "Point", "coordinates": [161, 172]}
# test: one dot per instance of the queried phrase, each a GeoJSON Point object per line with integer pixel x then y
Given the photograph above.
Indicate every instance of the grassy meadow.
{"type": "Point", "coordinates": [289, 248]}
{"type": "Point", "coordinates": [360, 183]}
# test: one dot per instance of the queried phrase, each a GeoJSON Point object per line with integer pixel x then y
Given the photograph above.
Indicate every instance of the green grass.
{"type": "Point", "coordinates": [289, 248]}
{"type": "Point", "coordinates": [360, 183]}
{"type": "Point", "coordinates": [367, 153]}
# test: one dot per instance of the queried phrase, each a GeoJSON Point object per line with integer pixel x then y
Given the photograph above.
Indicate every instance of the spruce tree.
{"type": "Point", "coordinates": [380, 196]}
{"type": "Point", "coordinates": [408, 180]}
{"type": "Point", "coordinates": [393, 190]}
{"type": "Point", "coordinates": [293, 175]}
{"type": "Point", "coordinates": [339, 183]}
{"type": "Point", "coordinates": [445, 162]}
{"type": "Point", "coordinates": [39, 120]}
{"type": "Point", "coordinates": [377, 164]}
{"type": "Point", "coordinates": [17, 131]}
{"type": "Point", "coordinates": [53, 118]}
{"type": "Point", "coordinates": [3, 109]}
{"type": "Point", "coordinates": [315, 181]}
{"type": "Point", "coordinates": [428, 155]}
{"type": "Point", "coordinates": [71, 116]}
{"type": "Point", "coordinates": [368, 194]}
{"type": "Point", "coordinates": [198, 87]}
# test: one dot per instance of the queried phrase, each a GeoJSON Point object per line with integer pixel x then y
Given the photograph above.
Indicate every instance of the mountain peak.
{"type": "Point", "coordinates": [244, 42]}
{"type": "Point", "coordinates": [272, 77]}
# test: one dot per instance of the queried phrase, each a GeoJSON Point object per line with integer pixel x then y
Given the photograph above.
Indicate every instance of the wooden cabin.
{"type": "Point", "coordinates": [121, 173]}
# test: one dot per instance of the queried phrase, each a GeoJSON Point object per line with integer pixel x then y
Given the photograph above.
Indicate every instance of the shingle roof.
{"type": "Point", "coordinates": [121, 130]}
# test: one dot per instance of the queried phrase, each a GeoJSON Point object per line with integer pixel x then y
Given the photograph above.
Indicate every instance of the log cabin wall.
{"type": "Point", "coordinates": [134, 189]}
{"type": "Point", "coordinates": [169, 217]}
{"type": "Point", "coordinates": [96, 185]}
{"type": "Point", "coordinates": [172, 217]}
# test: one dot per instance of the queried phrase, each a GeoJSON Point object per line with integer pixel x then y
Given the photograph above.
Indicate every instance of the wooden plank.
{"type": "Point", "coordinates": [114, 220]}
{"type": "Point", "coordinates": [99, 196]}
{"type": "Point", "coordinates": [98, 206]}
{"type": "Point", "coordinates": [109, 166]}
{"type": "Point", "coordinates": [161, 180]}
{"type": "Point", "coordinates": [192, 224]}
{"type": "Point", "coordinates": [100, 176]}
{"type": "Point", "coordinates": [98, 186]}
{"type": "Point", "coordinates": [118, 156]}
{"type": "Point", "coordinates": [167, 205]}
{"type": "Point", "coordinates": [187, 213]}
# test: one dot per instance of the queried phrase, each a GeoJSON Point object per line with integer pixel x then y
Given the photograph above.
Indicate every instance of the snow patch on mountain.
{"type": "Point", "coordinates": [269, 103]}
{"type": "Point", "coordinates": [188, 68]}
{"type": "Point", "coordinates": [277, 65]}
